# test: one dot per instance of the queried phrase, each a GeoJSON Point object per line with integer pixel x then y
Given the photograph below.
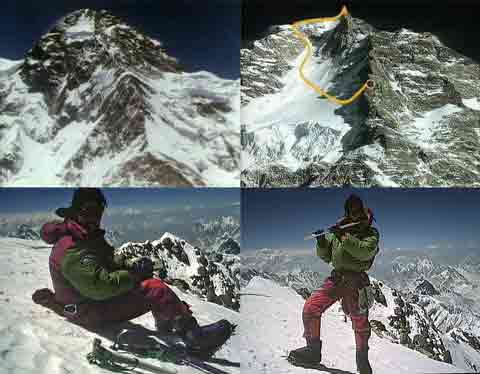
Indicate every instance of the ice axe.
{"type": "Point", "coordinates": [105, 358]}
{"type": "Point", "coordinates": [322, 232]}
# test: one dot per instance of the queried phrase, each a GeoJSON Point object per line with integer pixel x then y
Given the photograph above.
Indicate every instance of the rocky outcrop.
{"type": "Point", "coordinates": [190, 269]}
{"type": "Point", "coordinates": [405, 322]}
{"type": "Point", "coordinates": [263, 63]}
{"type": "Point", "coordinates": [27, 232]}
{"type": "Point", "coordinates": [426, 288]}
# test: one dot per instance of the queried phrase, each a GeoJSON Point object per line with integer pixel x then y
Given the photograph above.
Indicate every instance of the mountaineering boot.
{"type": "Point", "coordinates": [202, 338]}
{"type": "Point", "coordinates": [309, 355]}
{"type": "Point", "coordinates": [46, 298]}
{"type": "Point", "coordinates": [163, 326]}
{"type": "Point", "coordinates": [363, 366]}
{"type": "Point", "coordinates": [183, 323]}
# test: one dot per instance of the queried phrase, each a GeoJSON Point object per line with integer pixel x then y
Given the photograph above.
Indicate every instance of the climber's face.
{"type": "Point", "coordinates": [90, 216]}
{"type": "Point", "coordinates": [355, 210]}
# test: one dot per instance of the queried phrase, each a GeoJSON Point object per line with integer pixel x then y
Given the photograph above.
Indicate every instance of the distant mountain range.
{"type": "Point", "coordinates": [220, 234]}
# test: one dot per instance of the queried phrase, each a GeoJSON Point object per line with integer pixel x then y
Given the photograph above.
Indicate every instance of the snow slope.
{"type": "Point", "coordinates": [271, 326]}
{"type": "Point", "coordinates": [35, 340]}
{"type": "Point", "coordinates": [273, 118]}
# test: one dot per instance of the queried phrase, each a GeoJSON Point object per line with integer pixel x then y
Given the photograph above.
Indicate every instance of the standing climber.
{"type": "Point", "coordinates": [95, 288]}
{"type": "Point", "coordinates": [351, 251]}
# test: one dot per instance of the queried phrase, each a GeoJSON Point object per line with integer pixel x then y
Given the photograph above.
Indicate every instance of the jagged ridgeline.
{"type": "Point", "coordinates": [213, 276]}
{"type": "Point", "coordinates": [419, 126]}
{"type": "Point", "coordinates": [103, 104]}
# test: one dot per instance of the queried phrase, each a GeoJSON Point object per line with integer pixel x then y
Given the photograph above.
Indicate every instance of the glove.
{"type": "Point", "coordinates": [120, 261]}
{"type": "Point", "coordinates": [142, 269]}
{"type": "Point", "coordinates": [337, 231]}
{"type": "Point", "coordinates": [317, 233]}
{"type": "Point", "coordinates": [321, 241]}
{"type": "Point", "coordinates": [161, 270]}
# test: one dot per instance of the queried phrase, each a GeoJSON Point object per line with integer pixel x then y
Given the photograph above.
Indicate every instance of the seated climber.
{"type": "Point", "coordinates": [93, 287]}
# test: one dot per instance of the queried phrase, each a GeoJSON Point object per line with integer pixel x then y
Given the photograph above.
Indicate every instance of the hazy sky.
{"type": "Point", "coordinates": [203, 35]}
{"type": "Point", "coordinates": [408, 219]}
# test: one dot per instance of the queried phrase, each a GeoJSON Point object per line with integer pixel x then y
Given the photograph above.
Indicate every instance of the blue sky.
{"type": "Point", "coordinates": [407, 219]}
{"type": "Point", "coordinates": [204, 35]}
{"type": "Point", "coordinates": [24, 200]}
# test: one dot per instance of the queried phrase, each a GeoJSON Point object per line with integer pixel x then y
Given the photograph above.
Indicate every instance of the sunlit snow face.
{"type": "Point", "coordinates": [90, 216]}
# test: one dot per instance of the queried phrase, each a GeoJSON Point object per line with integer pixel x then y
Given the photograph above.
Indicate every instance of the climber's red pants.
{"type": "Point", "coordinates": [151, 295]}
{"type": "Point", "coordinates": [326, 296]}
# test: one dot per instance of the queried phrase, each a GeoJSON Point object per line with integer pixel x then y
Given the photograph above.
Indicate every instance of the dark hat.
{"type": "Point", "coordinates": [81, 197]}
{"type": "Point", "coordinates": [353, 204]}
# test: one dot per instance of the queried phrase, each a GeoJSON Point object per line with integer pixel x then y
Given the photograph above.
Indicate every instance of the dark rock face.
{"type": "Point", "coordinates": [409, 325]}
{"type": "Point", "coordinates": [154, 172]}
{"type": "Point", "coordinates": [70, 53]}
{"type": "Point", "coordinates": [378, 294]}
{"type": "Point", "coordinates": [426, 288]}
{"type": "Point", "coordinates": [26, 232]}
{"type": "Point", "coordinates": [266, 62]}
{"type": "Point", "coordinates": [413, 129]}
{"type": "Point", "coordinates": [230, 247]}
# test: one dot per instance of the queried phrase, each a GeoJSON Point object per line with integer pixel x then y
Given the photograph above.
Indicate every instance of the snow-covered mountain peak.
{"type": "Point", "coordinates": [84, 41]}
{"type": "Point", "coordinates": [420, 119]}
{"type": "Point", "coordinates": [220, 234]}
{"type": "Point", "coordinates": [106, 105]}
{"type": "Point", "coordinates": [422, 267]}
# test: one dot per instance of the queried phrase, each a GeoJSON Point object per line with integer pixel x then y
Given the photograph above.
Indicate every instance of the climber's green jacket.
{"type": "Point", "coordinates": [355, 252]}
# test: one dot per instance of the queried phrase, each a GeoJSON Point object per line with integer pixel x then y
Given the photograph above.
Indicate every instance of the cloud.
{"type": "Point", "coordinates": [171, 219]}
{"type": "Point", "coordinates": [33, 218]}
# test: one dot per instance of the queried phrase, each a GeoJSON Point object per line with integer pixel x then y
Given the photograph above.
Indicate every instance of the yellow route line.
{"type": "Point", "coordinates": [344, 12]}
